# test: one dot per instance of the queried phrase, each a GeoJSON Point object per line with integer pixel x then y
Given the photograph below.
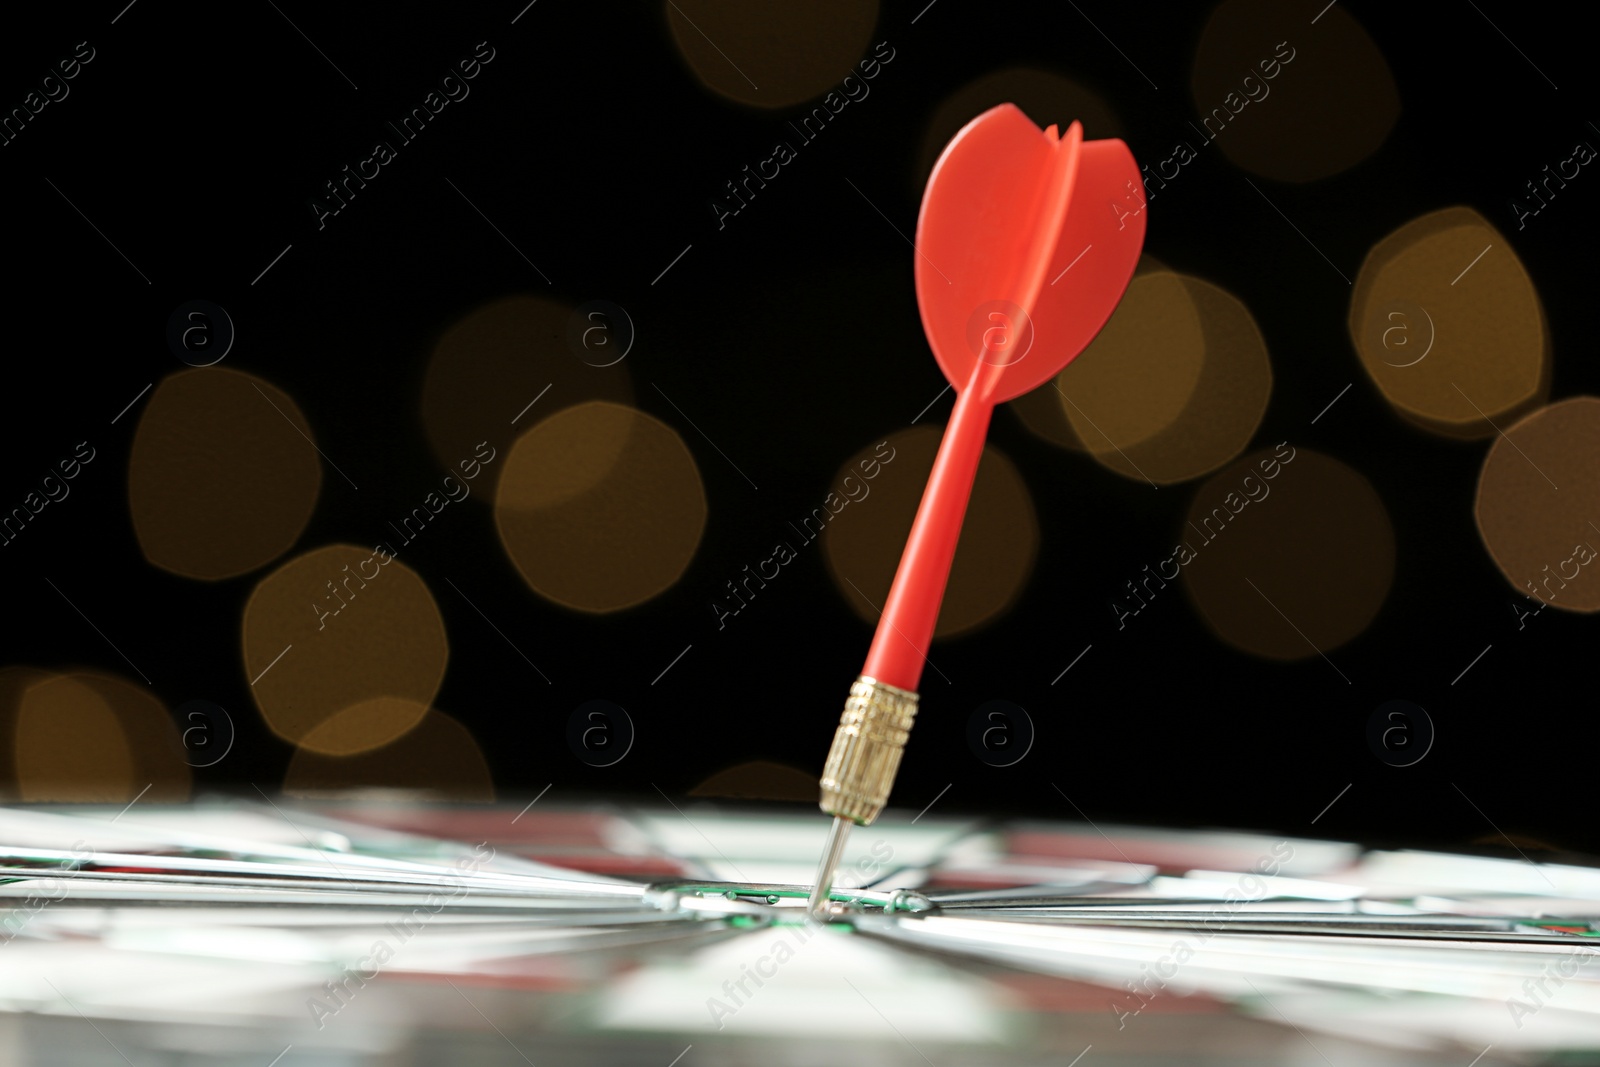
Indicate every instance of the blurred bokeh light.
{"type": "Point", "coordinates": [771, 54]}
{"type": "Point", "coordinates": [223, 474]}
{"type": "Point", "coordinates": [1172, 388]}
{"type": "Point", "coordinates": [490, 365]}
{"type": "Point", "coordinates": [1290, 94]}
{"type": "Point", "coordinates": [999, 539]}
{"type": "Point", "coordinates": [438, 758]}
{"type": "Point", "coordinates": [1041, 409]}
{"type": "Point", "coordinates": [1290, 553]}
{"type": "Point", "coordinates": [83, 736]}
{"type": "Point", "coordinates": [600, 507]}
{"type": "Point", "coordinates": [14, 680]}
{"type": "Point", "coordinates": [342, 631]}
{"type": "Point", "coordinates": [1449, 326]}
{"type": "Point", "coordinates": [1538, 504]}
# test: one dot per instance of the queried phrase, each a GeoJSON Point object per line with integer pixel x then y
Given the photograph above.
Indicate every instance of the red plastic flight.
{"type": "Point", "coordinates": [1025, 243]}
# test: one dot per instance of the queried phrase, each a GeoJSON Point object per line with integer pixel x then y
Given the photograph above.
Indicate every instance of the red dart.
{"type": "Point", "coordinates": [1025, 243]}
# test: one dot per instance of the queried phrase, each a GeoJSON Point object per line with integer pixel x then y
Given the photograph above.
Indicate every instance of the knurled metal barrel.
{"type": "Point", "coordinates": [866, 750]}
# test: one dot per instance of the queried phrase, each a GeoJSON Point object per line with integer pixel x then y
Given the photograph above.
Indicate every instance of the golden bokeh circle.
{"type": "Point", "coordinates": [1538, 504]}
{"type": "Point", "coordinates": [14, 681]}
{"type": "Point", "coordinates": [1174, 386]}
{"type": "Point", "coordinates": [438, 758]}
{"type": "Point", "coordinates": [1449, 326]}
{"type": "Point", "coordinates": [223, 474]}
{"type": "Point", "coordinates": [1288, 99]}
{"type": "Point", "coordinates": [1286, 554]}
{"type": "Point", "coordinates": [1139, 373]}
{"type": "Point", "coordinates": [600, 507]}
{"type": "Point", "coordinates": [52, 760]}
{"type": "Point", "coordinates": [343, 629]}
{"type": "Point", "coordinates": [864, 533]}
{"type": "Point", "coordinates": [354, 729]}
{"type": "Point", "coordinates": [1041, 410]}
{"type": "Point", "coordinates": [776, 53]}
{"type": "Point", "coordinates": [490, 365]}
{"type": "Point", "coordinates": [88, 737]}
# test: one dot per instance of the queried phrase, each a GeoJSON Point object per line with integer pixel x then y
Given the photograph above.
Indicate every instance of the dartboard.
{"type": "Point", "coordinates": [377, 932]}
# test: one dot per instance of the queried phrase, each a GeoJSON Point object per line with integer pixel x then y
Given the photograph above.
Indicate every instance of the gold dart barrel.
{"type": "Point", "coordinates": [866, 750]}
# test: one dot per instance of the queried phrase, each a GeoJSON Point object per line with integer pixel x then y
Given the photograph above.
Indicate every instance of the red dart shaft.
{"type": "Point", "coordinates": [877, 717]}
{"type": "Point", "coordinates": [1008, 206]}
{"type": "Point", "coordinates": [900, 645]}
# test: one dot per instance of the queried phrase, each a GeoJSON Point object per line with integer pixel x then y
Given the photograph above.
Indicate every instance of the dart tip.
{"type": "Point", "coordinates": [821, 893]}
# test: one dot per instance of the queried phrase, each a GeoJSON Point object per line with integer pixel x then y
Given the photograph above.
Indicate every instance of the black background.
{"type": "Point", "coordinates": [197, 135]}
